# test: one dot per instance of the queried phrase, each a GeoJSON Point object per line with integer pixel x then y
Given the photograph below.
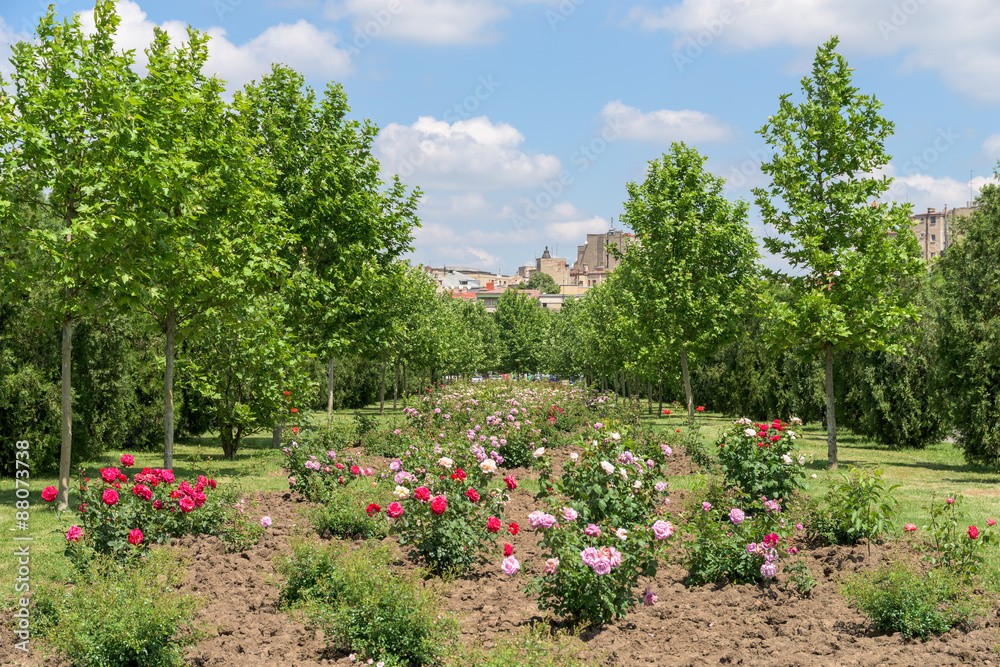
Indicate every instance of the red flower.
{"type": "Point", "coordinates": [187, 504]}
{"type": "Point", "coordinates": [459, 474]}
{"type": "Point", "coordinates": [513, 528]}
{"type": "Point", "coordinates": [49, 494]}
{"type": "Point", "coordinates": [211, 483]}
{"type": "Point", "coordinates": [422, 493]}
{"type": "Point", "coordinates": [439, 504]}
{"type": "Point", "coordinates": [510, 482]}
{"type": "Point", "coordinates": [109, 475]}
{"type": "Point", "coordinates": [770, 540]}
{"type": "Point", "coordinates": [394, 510]}
{"type": "Point", "coordinates": [135, 536]}
{"type": "Point", "coordinates": [493, 524]}
{"type": "Point", "coordinates": [287, 393]}
{"type": "Point", "coordinates": [158, 504]}
{"type": "Point", "coordinates": [373, 509]}
{"type": "Point", "coordinates": [666, 412]}
{"type": "Point", "coordinates": [508, 550]}
{"type": "Point", "coordinates": [142, 491]}
{"type": "Point", "coordinates": [991, 522]}
{"type": "Point", "coordinates": [110, 497]}
{"type": "Point", "coordinates": [973, 532]}
{"type": "Point", "coordinates": [128, 460]}
{"type": "Point", "coordinates": [472, 495]}
{"type": "Point", "coordinates": [355, 470]}
{"type": "Point", "coordinates": [700, 408]}
{"type": "Point", "coordinates": [295, 409]}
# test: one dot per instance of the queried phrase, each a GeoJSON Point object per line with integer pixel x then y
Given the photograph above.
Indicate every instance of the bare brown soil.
{"type": "Point", "coordinates": [709, 625]}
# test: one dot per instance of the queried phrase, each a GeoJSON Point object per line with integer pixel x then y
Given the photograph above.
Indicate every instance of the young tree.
{"type": "Point", "coordinates": [694, 264]}
{"type": "Point", "coordinates": [845, 265]}
{"type": "Point", "coordinates": [520, 327]}
{"type": "Point", "coordinates": [61, 131]}
{"type": "Point", "coordinates": [542, 282]}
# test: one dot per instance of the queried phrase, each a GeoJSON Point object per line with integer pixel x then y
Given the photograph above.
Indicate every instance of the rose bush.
{"type": "Point", "coordinates": [760, 459]}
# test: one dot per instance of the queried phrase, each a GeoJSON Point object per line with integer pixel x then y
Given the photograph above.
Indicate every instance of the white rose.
{"type": "Point", "coordinates": [538, 452]}
{"type": "Point", "coordinates": [608, 468]}
{"type": "Point", "coordinates": [445, 461]}
{"type": "Point", "coordinates": [749, 433]}
{"type": "Point", "coordinates": [574, 456]}
{"type": "Point", "coordinates": [786, 459]}
{"type": "Point", "coordinates": [401, 492]}
{"type": "Point", "coordinates": [616, 436]}
{"type": "Point", "coordinates": [488, 466]}
{"type": "Point", "coordinates": [802, 459]}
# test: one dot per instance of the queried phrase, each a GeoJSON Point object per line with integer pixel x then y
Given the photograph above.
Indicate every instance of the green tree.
{"type": "Point", "coordinates": [845, 265]}
{"type": "Point", "coordinates": [62, 126]}
{"type": "Point", "coordinates": [520, 327]}
{"type": "Point", "coordinates": [969, 334]}
{"type": "Point", "coordinates": [694, 265]}
{"type": "Point", "coordinates": [542, 282]}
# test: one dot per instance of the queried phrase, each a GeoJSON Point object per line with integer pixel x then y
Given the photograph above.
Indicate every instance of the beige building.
{"type": "Point", "coordinates": [595, 259]}
{"type": "Point", "coordinates": [935, 229]}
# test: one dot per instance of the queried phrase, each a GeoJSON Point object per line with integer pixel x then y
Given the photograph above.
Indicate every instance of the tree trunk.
{"type": "Point", "coordinates": [381, 392]}
{"type": "Point", "coordinates": [276, 435]}
{"type": "Point", "coordinates": [660, 392]}
{"type": "Point", "coordinates": [404, 384]}
{"type": "Point", "coordinates": [649, 397]}
{"type": "Point", "coordinates": [168, 392]}
{"type": "Point", "coordinates": [229, 444]}
{"type": "Point", "coordinates": [831, 417]}
{"type": "Point", "coordinates": [687, 386]}
{"type": "Point", "coordinates": [67, 409]}
{"type": "Point", "coordinates": [604, 383]}
{"type": "Point", "coordinates": [329, 393]}
{"type": "Point", "coordinates": [395, 386]}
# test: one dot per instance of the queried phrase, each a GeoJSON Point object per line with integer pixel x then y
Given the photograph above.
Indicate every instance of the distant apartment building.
{"type": "Point", "coordinates": [935, 229]}
{"type": "Point", "coordinates": [596, 259]}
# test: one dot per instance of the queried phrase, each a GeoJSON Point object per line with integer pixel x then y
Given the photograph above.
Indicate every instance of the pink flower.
{"type": "Point", "coordinates": [539, 519]}
{"type": "Point", "coordinates": [394, 510]}
{"type": "Point", "coordinates": [510, 482]}
{"type": "Point", "coordinates": [569, 513]}
{"type": "Point", "coordinates": [438, 505]}
{"type": "Point", "coordinates": [991, 522]}
{"type": "Point", "coordinates": [187, 505]}
{"type": "Point", "coordinates": [973, 532]}
{"type": "Point", "coordinates": [49, 494]}
{"type": "Point", "coordinates": [589, 556]}
{"type": "Point", "coordinates": [799, 527]}
{"type": "Point", "coordinates": [291, 481]}
{"type": "Point", "coordinates": [662, 530]}
{"type": "Point", "coordinates": [128, 461]}
{"type": "Point", "coordinates": [73, 534]}
{"type": "Point", "coordinates": [768, 570]}
{"type": "Point", "coordinates": [510, 565]}
{"type": "Point", "coordinates": [109, 475]}
{"type": "Point", "coordinates": [135, 536]}
{"type": "Point", "coordinates": [265, 521]}
{"type": "Point", "coordinates": [472, 495]}
{"type": "Point", "coordinates": [602, 567]}
{"type": "Point", "coordinates": [167, 476]}
{"type": "Point", "coordinates": [592, 530]}
{"type": "Point", "coordinates": [909, 528]}
{"type": "Point", "coordinates": [648, 598]}
{"type": "Point", "coordinates": [142, 491]}
{"type": "Point", "coordinates": [706, 506]}
{"type": "Point", "coordinates": [736, 516]}
{"type": "Point", "coordinates": [551, 565]}
{"type": "Point", "coordinates": [493, 524]}
{"type": "Point", "coordinates": [110, 496]}
{"type": "Point", "coordinates": [422, 493]}
{"type": "Point", "coordinates": [950, 501]}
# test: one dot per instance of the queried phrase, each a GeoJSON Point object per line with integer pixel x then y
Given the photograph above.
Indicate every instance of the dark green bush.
{"type": "Point", "coordinates": [860, 507]}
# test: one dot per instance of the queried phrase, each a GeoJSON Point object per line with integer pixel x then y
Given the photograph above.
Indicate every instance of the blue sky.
{"type": "Point", "coordinates": [522, 121]}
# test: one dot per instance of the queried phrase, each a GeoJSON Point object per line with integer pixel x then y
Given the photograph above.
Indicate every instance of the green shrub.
{"type": "Point", "coordinates": [760, 459]}
{"type": "Point", "coordinates": [120, 617]}
{"type": "Point", "coordinates": [861, 507]}
{"type": "Point", "coordinates": [898, 599]}
{"type": "Point", "coordinates": [344, 512]}
{"type": "Point", "coordinates": [952, 542]}
{"type": "Point", "coordinates": [363, 607]}
{"type": "Point", "coordinates": [536, 646]}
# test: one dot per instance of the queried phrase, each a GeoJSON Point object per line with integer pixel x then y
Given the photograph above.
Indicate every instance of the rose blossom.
{"type": "Point", "coordinates": [510, 565]}
{"type": "Point", "coordinates": [662, 530]}
{"type": "Point", "coordinates": [706, 506]}
{"type": "Point", "coordinates": [736, 516]}
{"type": "Point", "coordinates": [472, 495]}
{"type": "Point", "coordinates": [493, 524]}
{"type": "Point", "coordinates": [621, 533]}
{"type": "Point", "coordinates": [768, 570]}
{"type": "Point", "coordinates": [569, 513]}
{"type": "Point", "coordinates": [507, 550]}
{"type": "Point", "coordinates": [991, 522]}
{"type": "Point", "coordinates": [73, 534]}
{"type": "Point", "coordinates": [538, 452]}
{"type": "Point", "coordinates": [49, 494]}
{"type": "Point", "coordinates": [135, 536]}
{"type": "Point", "coordinates": [110, 496]}
{"type": "Point", "coordinates": [551, 565]}
{"type": "Point", "coordinates": [438, 505]}
{"type": "Point", "coordinates": [445, 461]}
{"type": "Point", "coordinates": [187, 504]}
{"type": "Point", "coordinates": [422, 493]}
{"type": "Point", "coordinates": [401, 492]}
{"type": "Point", "coordinates": [488, 466]}
{"type": "Point", "coordinates": [394, 510]}
{"type": "Point", "coordinates": [291, 481]}
{"type": "Point", "coordinates": [608, 468]}
{"type": "Point", "coordinates": [602, 567]}
{"type": "Point", "coordinates": [973, 532]}
{"type": "Point", "coordinates": [649, 597]}
{"type": "Point", "coordinates": [909, 528]}
{"type": "Point", "coordinates": [510, 482]}
{"type": "Point", "coordinates": [128, 461]}
{"type": "Point", "coordinates": [109, 475]}
{"type": "Point", "coordinates": [592, 530]}
{"type": "Point", "coordinates": [513, 528]}
{"type": "Point", "coordinates": [372, 509]}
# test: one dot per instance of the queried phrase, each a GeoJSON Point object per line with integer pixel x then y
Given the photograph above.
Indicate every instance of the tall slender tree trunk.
{"type": "Point", "coordinates": [168, 391]}
{"type": "Point", "coordinates": [604, 383]}
{"type": "Point", "coordinates": [279, 427]}
{"type": "Point", "coordinates": [65, 448]}
{"type": "Point", "coordinates": [649, 397]}
{"type": "Point", "coordinates": [404, 384]}
{"type": "Point", "coordinates": [831, 417]}
{"type": "Point", "coordinates": [381, 392]}
{"type": "Point", "coordinates": [329, 393]}
{"type": "Point", "coordinates": [660, 392]}
{"type": "Point", "coordinates": [687, 386]}
{"type": "Point", "coordinates": [395, 386]}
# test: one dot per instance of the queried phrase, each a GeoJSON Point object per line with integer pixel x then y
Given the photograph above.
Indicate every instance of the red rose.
{"type": "Point", "coordinates": [49, 494]}
{"type": "Point", "coordinates": [373, 509]}
{"type": "Point", "coordinates": [700, 408]}
{"type": "Point", "coordinates": [355, 470]}
{"type": "Point", "coordinates": [295, 409]}
{"type": "Point", "coordinates": [127, 460]}
{"type": "Point", "coordinates": [472, 495]}
{"type": "Point", "coordinates": [459, 474]}
{"type": "Point", "coordinates": [211, 483]}
{"type": "Point", "coordinates": [142, 491]}
{"type": "Point", "coordinates": [287, 393]}
{"type": "Point", "coordinates": [439, 504]}
{"type": "Point", "coordinates": [973, 532]}
{"type": "Point", "coordinates": [135, 536]}
{"type": "Point", "coordinates": [122, 477]}
{"type": "Point", "coordinates": [422, 493]}
{"type": "Point", "coordinates": [187, 504]}
{"type": "Point", "coordinates": [109, 475]}
{"type": "Point", "coordinates": [158, 504]}
{"type": "Point", "coordinates": [508, 550]}
{"type": "Point", "coordinates": [513, 528]}
{"type": "Point", "coordinates": [510, 482]}
{"type": "Point", "coordinates": [110, 497]}
{"type": "Point", "coordinates": [493, 524]}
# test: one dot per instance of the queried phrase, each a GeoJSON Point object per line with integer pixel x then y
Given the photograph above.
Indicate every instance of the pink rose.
{"type": "Point", "coordinates": [109, 475]}
{"type": "Point", "coordinates": [49, 494]}
{"type": "Point", "coordinates": [592, 530]}
{"type": "Point", "coordinates": [569, 514]}
{"type": "Point", "coordinates": [662, 530]}
{"type": "Point", "coordinates": [422, 493]}
{"type": "Point", "coordinates": [73, 534]}
{"type": "Point", "coordinates": [649, 597]}
{"type": "Point", "coordinates": [493, 524]}
{"type": "Point", "coordinates": [127, 460]}
{"type": "Point", "coordinates": [110, 496]}
{"type": "Point", "coordinates": [394, 510]}
{"type": "Point", "coordinates": [551, 565]}
{"type": "Point", "coordinates": [187, 505]}
{"type": "Point", "coordinates": [438, 505]}
{"type": "Point", "coordinates": [510, 565]}
{"type": "Point", "coordinates": [135, 536]}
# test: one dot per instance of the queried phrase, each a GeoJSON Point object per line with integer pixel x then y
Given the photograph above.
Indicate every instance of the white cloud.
{"type": "Point", "coordinates": [992, 145]}
{"type": "Point", "coordinates": [575, 231]}
{"type": "Point", "coordinates": [423, 21]}
{"type": "Point", "coordinates": [665, 125]}
{"type": "Point", "coordinates": [473, 154]}
{"type": "Point", "coordinates": [8, 37]}
{"type": "Point", "coordinates": [924, 191]}
{"type": "Point", "coordinates": [300, 45]}
{"type": "Point", "coordinates": [956, 39]}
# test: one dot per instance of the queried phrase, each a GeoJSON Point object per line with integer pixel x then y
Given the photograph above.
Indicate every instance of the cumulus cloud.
{"type": "Point", "coordinates": [575, 231]}
{"type": "Point", "coordinates": [924, 191]}
{"type": "Point", "coordinates": [300, 45]}
{"type": "Point", "coordinates": [8, 37]}
{"type": "Point", "coordinates": [957, 39]}
{"type": "Point", "coordinates": [473, 154]}
{"type": "Point", "coordinates": [992, 145]}
{"type": "Point", "coordinates": [665, 125]}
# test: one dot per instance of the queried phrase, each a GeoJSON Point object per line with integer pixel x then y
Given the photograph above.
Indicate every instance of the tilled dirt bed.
{"type": "Point", "coordinates": [708, 625]}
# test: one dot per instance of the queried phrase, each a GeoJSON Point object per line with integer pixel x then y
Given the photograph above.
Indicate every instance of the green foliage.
{"type": "Point", "coordinates": [969, 331]}
{"type": "Point", "coordinates": [116, 617]}
{"type": "Point", "coordinates": [846, 266]}
{"type": "Point", "coordinates": [899, 599]}
{"type": "Point", "coordinates": [860, 507]}
{"type": "Point", "coordinates": [244, 529]}
{"type": "Point", "coordinates": [738, 545]}
{"type": "Point", "coordinates": [364, 607]}
{"type": "Point", "coordinates": [520, 324]}
{"type": "Point", "coordinates": [800, 577]}
{"type": "Point", "coordinates": [343, 513]}
{"type": "Point", "coordinates": [535, 646]}
{"type": "Point", "coordinates": [542, 282]}
{"type": "Point", "coordinates": [952, 543]}
{"type": "Point", "coordinates": [760, 459]}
